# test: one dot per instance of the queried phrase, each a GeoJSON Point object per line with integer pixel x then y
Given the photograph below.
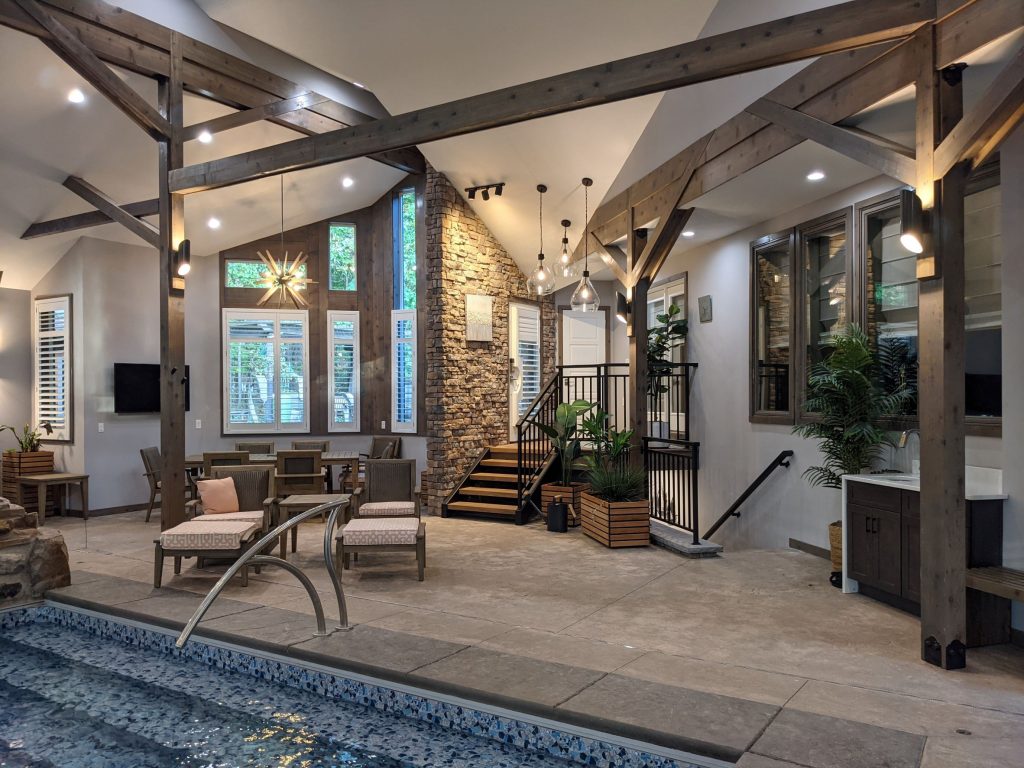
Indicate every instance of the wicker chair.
{"type": "Point", "coordinates": [381, 447]}
{"type": "Point", "coordinates": [317, 445]}
{"type": "Point", "coordinates": [256, 447]}
{"type": "Point", "coordinates": [299, 472]}
{"type": "Point", "coordinates": [152, 463]}
{"type": "Point", "coordinates": [388, 491]}
{"type": "Point", "coordinates": [213, 459]}
{"type": "Point", "coordinates": [255, 487]}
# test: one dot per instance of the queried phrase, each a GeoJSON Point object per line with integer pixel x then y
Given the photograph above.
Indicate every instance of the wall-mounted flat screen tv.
{"type": "Point", "coordinates": [137, 388]}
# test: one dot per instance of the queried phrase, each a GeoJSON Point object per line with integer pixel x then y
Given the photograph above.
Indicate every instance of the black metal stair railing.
{"type": "Point", "coordinates": [534, 450]}
{"type": "Point", "coordinates": [672, 467]}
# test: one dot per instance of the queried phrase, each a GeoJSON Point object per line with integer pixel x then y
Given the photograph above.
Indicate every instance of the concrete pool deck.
{"type": "Point", "coordinates": [751, 655]}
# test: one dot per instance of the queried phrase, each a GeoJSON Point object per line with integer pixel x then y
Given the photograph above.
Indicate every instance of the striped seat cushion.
{"type": "Point", "coordinates": [368, 531]}
{"type": "Point", "coordinates": [255, 516]}
{"type": "Point", "coordinates": [211, 534]}
{"type": "Point", "coordinates": [388, 509]}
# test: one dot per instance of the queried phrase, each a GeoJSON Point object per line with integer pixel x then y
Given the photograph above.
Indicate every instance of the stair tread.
{"type": "Point", "coordinates": [478, 490]}
{"type": "Point", "coordinates": [512, 463]}
{"type": "Point", "coordinates": [482, 506]}
{"type": "Point", "coordinates": [494, 477]}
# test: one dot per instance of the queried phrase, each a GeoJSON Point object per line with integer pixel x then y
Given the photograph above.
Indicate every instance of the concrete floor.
{"type": "Point", "coordinates": [752, 652]}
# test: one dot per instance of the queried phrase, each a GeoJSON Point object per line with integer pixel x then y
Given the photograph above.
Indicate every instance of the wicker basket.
{"type": "Point", "coordinates": [835, 544]}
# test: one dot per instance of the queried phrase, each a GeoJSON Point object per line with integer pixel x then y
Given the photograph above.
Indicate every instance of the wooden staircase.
{"type": "Point", "coordinates": [488, 489]}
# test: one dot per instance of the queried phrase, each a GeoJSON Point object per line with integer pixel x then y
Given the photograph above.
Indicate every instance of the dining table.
{"type": "Point", "coordinates": [194, 461]}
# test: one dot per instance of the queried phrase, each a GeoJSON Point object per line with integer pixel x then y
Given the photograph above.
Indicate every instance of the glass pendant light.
{"type": "Point", "coordinates": [585, 298]}
{"type": "Point", "coordinates": [541, 281]}
{"type": "Point", "coordinates": [565, 267]}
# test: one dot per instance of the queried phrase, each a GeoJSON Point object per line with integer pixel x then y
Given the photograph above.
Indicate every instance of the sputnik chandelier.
{"type": "Point", "coordinates": [283, 279]}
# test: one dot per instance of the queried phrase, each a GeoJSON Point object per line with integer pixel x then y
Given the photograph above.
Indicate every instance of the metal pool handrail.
{"type": "Point", "coordinates": [253, 555]}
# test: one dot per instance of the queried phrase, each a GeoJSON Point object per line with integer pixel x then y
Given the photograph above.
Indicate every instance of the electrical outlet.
{"type": "Point", "coordinates": [199, 423]}
{"type": "Point", "coordinates": [99, 426]}
{"type": "Point", "coordinates": [383, 424]}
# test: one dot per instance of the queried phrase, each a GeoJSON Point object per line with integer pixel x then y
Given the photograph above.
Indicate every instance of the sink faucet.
{"type": "Point", "coordinates": [905, 437]}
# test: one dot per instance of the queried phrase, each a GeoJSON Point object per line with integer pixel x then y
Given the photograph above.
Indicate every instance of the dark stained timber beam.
{"type": "Point", "coordinates": [253, 115]}
{"type": "Point", "coordinates": [104, 203]}
{"type": "Point", "coordinates": [858, 148]}
{"type": "Point", "coordinates": [607, 255]}
{"type": "Point", "coordinates": [87, 220]}
{"type": "Point", "coordinates": [992, 119]}
{"type": "Point", "coordinates": [835, 28]}
{"type": "Point", "coordinates": [75, 53]}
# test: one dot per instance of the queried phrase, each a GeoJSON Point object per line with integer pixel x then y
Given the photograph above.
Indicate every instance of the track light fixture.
{"type": "Point", "coordinates": [913, 222]}
{"type": "Point", "coordinates": [485, 190]}
{"type": "Point", "coordinates": [183, 258]}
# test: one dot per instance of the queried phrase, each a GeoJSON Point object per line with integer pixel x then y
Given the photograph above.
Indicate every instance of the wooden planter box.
{"type": "Point", "coordinates": [571, 494]}
{"type": "Point", "coordinates": [617, 524]}
{"type": "Point", "coordinates": [17, 463]}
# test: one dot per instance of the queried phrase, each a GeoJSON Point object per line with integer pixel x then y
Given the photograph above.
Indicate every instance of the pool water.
{"type": "Point", "coordinates": [74, 700]}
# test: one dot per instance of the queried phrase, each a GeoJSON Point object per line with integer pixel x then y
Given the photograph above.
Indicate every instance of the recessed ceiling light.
{"type": "Point", "coordinates": [358, 85]}
{"type": "Point", "coordinates": [689, 233]}
{"type": "Point", "coordinates": [815, 175]}
{"type": "Point", "coordinates": [205, 137]}
{"type": "Point", "coordinates": [75, 96]}
{"type": "Point", "coordinates": [213, 222]}
{"type": "Point", "coordinates": [347, 182]}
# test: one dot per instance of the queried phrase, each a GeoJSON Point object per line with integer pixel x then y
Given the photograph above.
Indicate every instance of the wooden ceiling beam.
{"type": "Point", "coordinates": [838, 139]}
{"type": "Point", "coordinates": [99, 75]}
{"type": "Point", "coordinates": [253, 115]}
{"type": "Point", "coordinates": [993, 118]}
{"type": "Point", "coordinates": [87, 220]}
{"type": "Point", "coordinates": [106, 204]}
{"type": "Point", "coordinates": [835, 28]}
{"type": "Point", "coordinates": [607, 255]}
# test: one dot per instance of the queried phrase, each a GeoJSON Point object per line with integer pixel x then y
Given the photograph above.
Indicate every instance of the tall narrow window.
{"type": "Point", "coordinates": [51, 401]}
{"type": "Point", "coordinates": [983, 294]}
{"type": "Point", "coordinates": [343, 383]}
{"type": "Point", "coordinates": [266, 359]}
{"type": "Point", "coordinates": [405, 249]}
{"type": "Point", "coordinates": [771, 328]}
{"type": "Point", "coordinates": [403, 370]}
{"type": "Point", "coordinates": [342, 257]}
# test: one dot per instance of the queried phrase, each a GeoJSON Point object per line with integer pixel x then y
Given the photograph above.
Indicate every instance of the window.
{"type": "Point", "coordinates": [403, 370]}
{"type": "Point", "coordinates": [343, 380]}
{"type": "Point", "coordinates": [342, 257]}
{"type": "Point", "coordinates": [243, 273]}
{"type": "Point", "coordinates": [405, 249]}
{"type": "Point", "coordinates": [265, 362]}
{"type": "Point", "coordinates": [51, 364]}
{"type": "Point", "coordinates": [771, 328]}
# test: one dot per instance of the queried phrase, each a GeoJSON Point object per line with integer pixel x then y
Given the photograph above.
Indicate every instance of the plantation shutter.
{"type": "Point", "coordinates": [403, 370]}
{"type": "Point", "coordinates": [343, 371]}
{"type": "Point", "coordinates": [51, 395]}
{"type": "Point", "coordinates": [528, 354]}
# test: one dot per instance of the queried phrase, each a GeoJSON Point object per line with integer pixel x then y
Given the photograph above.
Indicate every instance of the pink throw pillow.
{"type": "Point", "coordinates": [218, 496]}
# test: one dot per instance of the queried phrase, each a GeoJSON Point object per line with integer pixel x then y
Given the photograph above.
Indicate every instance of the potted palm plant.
{"type": "Point", "coordinates": [669, 333]}
{"type": "Point", "coordinates": [616, 511]}
{"type": "Point", "coordinates": [26, 459]}
{"type": "Point", "coordinates": [849, 404]}
{"type": "Point", "coordinates": [564, 437]}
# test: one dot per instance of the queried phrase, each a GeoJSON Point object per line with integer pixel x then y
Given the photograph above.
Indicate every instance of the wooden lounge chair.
{"type": "Point", "coordinates": [220, 540]}
{"type": "Point", "coordinates": [382, 534]}
{"type": "Point", "coordinates": [389, 490]}
{"type": "Point", "coordinates": [254, 486]}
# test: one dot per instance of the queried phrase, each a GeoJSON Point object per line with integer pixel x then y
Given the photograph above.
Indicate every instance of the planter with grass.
{"type": "Point", "coordinates": [26, 459]}
{"type": "Point", "coordinates": [563, 435]}
{"type": "Point", "coordinates": [615, 508]}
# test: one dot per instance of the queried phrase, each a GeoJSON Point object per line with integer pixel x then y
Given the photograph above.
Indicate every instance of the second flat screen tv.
{"type": "Point", "coordinates": [137, 388]}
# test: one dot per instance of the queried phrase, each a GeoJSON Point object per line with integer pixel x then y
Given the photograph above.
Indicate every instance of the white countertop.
{"type": "Point", "coordinates": [982, 483]}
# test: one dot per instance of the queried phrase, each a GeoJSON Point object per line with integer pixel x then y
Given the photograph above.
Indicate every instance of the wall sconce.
{"type": "Point", "coordinates": [485, 190]}
{"type": "Point", "coordinates": [913, 222]}
{"type": "Point", "coordinates": [621, 308]}
{"type": "Point", "coordinates": [183, 258]}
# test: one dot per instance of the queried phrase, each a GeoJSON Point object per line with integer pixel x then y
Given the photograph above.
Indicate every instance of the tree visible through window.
{"type": "Point", "coordinates": [342, 257]}
{"type": "Point", "coordinates": [248, 274]}
{"type": "Point", "coordinates": [405, 249]}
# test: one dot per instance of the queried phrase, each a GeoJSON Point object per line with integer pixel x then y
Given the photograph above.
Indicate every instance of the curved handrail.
{"type": "Point", "coordinates": [294, 570]}
{"type": "Point", "coordinates": [253, 552]}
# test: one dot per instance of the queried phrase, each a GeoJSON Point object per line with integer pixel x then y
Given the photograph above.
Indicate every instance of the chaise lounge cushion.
{"type": "Point", "coordinates": [218, 496]}
{"type": "Point", "coordinates": [388, 509]}
{"type": "Point", "coordinates": [380, 531]}
{"type": "Point", "coordinates": [211, 535]}
{"type": "Point", "coordinates": [255, 516]}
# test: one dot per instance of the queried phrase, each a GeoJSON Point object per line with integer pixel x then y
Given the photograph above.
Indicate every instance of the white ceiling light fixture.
{"type": "Point", "coordinates": [205, 137]}
{"type": "Point", "coordinates": [75, 96]}
{"type": "Point", "coordinates": [816, 175]}
{"type": "Point", "coordinates": [689, 233]}
{"type": "Point", "coordinates": [347, 182]}
{"type": "Point", "coordinates": [213, 222]}
{"type": "Point", "coordinates": [541, 280]}
{"type": "Point", "coordinates": [358, 85]}
{"type": "Point", "coordinates": [585, 298]}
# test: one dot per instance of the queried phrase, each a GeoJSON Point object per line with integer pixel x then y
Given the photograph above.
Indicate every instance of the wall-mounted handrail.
{"type": "Point", "coordinates": [782, 460]}
{"type": "Point", "coordinates": [253, 555]}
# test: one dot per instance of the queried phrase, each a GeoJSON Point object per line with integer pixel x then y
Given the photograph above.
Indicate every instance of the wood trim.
{"type": "Point", "coordinates": [758, 416]}
{"type": "Point", "coordinates": [113, 211]}
{"type": "Point", "coordinates": [252, 115]}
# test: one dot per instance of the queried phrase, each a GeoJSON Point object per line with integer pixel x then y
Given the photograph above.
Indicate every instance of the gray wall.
{"type": "Point", "coordinates": [15, 361]}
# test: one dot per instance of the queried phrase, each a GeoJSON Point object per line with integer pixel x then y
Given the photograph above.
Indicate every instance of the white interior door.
{"type": "Point", "coordinates": [524, 380]}
{"type": "Point", "coordinates": [584, 338]}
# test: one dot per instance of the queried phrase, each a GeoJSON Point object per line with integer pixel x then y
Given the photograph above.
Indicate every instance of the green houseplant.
{"type": "Point", "coordinates": [616, 511]}
{"type": "Point", "coordinates": [26, 459]}
{"type": "Point", "coordinates": [849, 404]}
{"type": "Point", "coordinates": [30, 439]}
{"type": "Point", "coordinates": [564, 434]}
{"type": "Point", "coordinates": [662, 339]}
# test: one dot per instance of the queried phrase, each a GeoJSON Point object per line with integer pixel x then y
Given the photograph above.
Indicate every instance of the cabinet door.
{"type": "Point", "coordinates": [888, 536]}
{"type": "Point", "coordinates": [911, 572]}
{"type": "Point", "coordinates": [862, 563]}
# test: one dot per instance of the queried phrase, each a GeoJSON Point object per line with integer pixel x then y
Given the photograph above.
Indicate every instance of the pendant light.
{"type": "Point", "coordinates": [565, 267]}
{"type": "Point", "coordinates": [585, 298]}
{"type": "Point", "coordinates": [541, 281]}
{"type": "Point", "coordinates": [282, 279]}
